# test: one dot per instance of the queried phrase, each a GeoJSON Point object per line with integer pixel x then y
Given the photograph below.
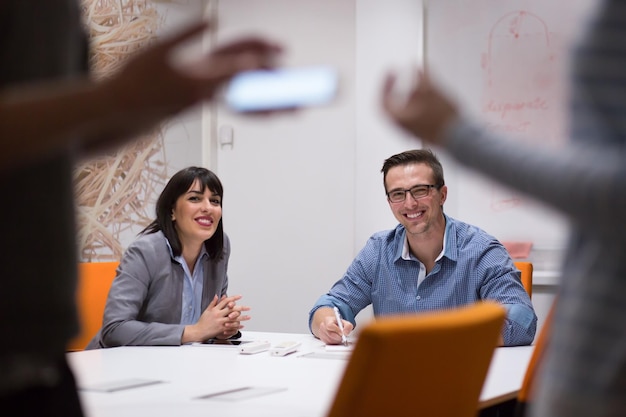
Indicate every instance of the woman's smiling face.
{"type": "Point", "coordinates": [197, 214]}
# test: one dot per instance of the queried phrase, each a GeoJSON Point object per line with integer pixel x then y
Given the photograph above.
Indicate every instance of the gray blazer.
{"type": "Point", "coordinates": [145, 300]}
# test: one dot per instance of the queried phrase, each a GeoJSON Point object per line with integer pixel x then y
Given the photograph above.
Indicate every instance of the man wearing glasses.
{"type": "Point", "coordinates": [430, 261]}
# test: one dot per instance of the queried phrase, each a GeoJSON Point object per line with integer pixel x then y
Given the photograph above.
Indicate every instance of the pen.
{"type": "Point", "coordinates": [344, 339]}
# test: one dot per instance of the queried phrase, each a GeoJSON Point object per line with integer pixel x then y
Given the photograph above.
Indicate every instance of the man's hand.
{"type": "Point", "coordinates": [325, 326]}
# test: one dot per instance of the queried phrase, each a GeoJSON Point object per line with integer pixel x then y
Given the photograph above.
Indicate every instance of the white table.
{"type": "Point", "coordinates": [307, 384]}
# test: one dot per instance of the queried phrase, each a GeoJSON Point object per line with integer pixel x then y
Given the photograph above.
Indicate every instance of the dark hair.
{"type": "Point", "coordinates": [415, 156]}
{"type": "Point", "coordinates": [178, 185]}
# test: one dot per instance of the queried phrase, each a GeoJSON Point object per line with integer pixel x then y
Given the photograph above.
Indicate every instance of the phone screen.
{"type": "Point", "coordinates": [284, 88]}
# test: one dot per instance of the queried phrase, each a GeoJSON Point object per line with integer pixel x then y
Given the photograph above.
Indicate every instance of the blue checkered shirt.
{"type": "Point", "coordinates": [473, 266]}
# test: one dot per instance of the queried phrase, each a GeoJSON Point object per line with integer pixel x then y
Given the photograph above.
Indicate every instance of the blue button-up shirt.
{"type": "Point", "coordinates": [473, 266]}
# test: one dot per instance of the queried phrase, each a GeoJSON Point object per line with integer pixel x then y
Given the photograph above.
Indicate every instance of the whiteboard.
{"type": "Point", "coordinates": [505, 62]}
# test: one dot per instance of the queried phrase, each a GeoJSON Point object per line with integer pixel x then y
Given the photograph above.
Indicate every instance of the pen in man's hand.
{"type": "Point", "coordinates": [344, 339]}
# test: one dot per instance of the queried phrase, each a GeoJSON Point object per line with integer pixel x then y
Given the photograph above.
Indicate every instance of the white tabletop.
{"type": "Point", "coordinates": [302, 383]}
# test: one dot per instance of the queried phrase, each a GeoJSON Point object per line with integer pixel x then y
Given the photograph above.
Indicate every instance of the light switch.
{"type": "Point", "coordinates": [226, 137]}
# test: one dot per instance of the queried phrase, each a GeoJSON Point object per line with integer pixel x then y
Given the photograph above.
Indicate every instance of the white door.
{"type": "Point", "coordinates": [289, 179]}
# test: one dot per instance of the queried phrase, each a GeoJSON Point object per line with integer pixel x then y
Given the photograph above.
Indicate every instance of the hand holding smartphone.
{"type": "Point", "coordinates": [281, 89]}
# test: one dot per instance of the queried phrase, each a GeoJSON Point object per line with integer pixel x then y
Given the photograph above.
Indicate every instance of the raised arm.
{"type": "Point", "coordinates": [40, 119]}
{"type": "Point", "coordinates": [578, 180]}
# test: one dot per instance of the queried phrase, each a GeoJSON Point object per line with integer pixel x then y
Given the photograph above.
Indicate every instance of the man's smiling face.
{"type": "Point", "coordinates": [417, 216]}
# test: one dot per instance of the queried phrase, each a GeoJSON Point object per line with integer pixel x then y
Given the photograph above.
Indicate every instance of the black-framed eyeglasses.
{"type": "Point", "coordinates": [417, 191]}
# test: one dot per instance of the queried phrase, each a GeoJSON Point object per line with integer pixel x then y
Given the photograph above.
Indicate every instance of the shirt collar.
{"type": "Point", "coordinates": [179, 258]}
{"type": "Point", "coordinates": [450, 246]}
{"type": "Point", "coordinates": [449, 249]}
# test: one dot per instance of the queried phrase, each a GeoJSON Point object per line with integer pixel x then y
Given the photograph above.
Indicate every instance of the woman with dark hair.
{"type": "Point", "coordinates": [171, 284]}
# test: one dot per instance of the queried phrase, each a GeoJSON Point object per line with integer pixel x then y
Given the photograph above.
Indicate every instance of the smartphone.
{"type": "Point", "coordinates": [225, 342]}
{"type": "Point", "coordinates": [282, 88]}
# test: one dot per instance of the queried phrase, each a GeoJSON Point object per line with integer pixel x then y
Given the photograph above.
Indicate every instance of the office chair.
{"type": "Point", "coordinates": [94, 281]}
{"type": "Point", "coordinates": [525, 394]}
{"type": "Point", "coordinates": [425, 364]}
{"type": "Point", "coordinates": [526, 268]}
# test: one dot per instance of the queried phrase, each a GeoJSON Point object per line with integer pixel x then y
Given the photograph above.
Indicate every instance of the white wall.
{"type": "Point", "coordinates": [289, 179]}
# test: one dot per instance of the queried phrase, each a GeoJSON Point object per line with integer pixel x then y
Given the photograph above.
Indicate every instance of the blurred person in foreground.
{"type": "Point", "coordinates": [50, 114]}
{"type": "Point", "coordinates": [584, 373]}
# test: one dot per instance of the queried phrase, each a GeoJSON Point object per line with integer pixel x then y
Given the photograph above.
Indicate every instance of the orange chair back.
{"type": "Point", "coordinates": [94, 281]}
{"type": "Point", "coordinates": [430, 364]}
{"type": "Point", "coordinates": [525, 394]}
{"type": "Point", "coordinates": [526, 268]}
